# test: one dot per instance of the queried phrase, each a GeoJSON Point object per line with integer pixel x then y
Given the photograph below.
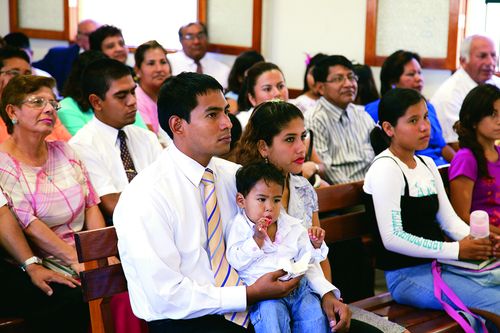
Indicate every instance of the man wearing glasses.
{"type": "Point", "coordinates": [194, 57]}
{"type": "Point", "coordinates": [342, 129]}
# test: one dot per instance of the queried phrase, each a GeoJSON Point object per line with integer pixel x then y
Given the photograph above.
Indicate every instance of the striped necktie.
{"type": "Point", "coordinates": [224, 274]}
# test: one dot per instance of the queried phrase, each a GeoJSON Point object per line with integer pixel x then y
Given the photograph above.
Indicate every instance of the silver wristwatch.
{"type": "Point", "coordinates": [29, 261]}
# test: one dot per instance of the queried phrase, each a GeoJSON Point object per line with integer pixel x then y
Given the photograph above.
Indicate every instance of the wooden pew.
{"type": "Point", "coordinates": [100, 281]}
{"type": "Point", "coordinates": [12, 325]}
{"type": "Point", "coordinates": [343, 217]}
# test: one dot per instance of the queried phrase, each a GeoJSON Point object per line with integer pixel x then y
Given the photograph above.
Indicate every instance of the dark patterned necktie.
{"type": "Point", "coordinates": [128, 164]}
{"type": "Point", "coordinates": [199, 69]}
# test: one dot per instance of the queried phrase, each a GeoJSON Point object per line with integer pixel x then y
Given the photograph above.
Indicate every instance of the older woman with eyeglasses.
{"type": "Point", "coordinates": [15, 62]}
{"type": "Point", "coordinates": [46, 184]}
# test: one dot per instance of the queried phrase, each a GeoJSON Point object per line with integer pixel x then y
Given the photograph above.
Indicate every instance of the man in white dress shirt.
{"type": "Point", "coordinates": [109, 86]}
{"type": "Point", "coordinates": [161, 223]}
{"type": "Point", "coordinates": [478, 59]}
{"type": "Point", "coordinates": [194, 57]}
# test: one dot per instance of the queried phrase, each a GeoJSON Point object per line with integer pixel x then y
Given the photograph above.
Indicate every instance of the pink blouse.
{"type": "Point", "coordinates": [147, 108]}
{"type": "Point", "coordinates": [56, 193]}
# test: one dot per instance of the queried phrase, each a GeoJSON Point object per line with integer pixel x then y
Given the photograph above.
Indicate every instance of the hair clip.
{"type": "Point", "coordinates": [308, 58]}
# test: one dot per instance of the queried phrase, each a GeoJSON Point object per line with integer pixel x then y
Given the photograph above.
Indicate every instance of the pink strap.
{"type": "Point", "coordinates": [441, 286]}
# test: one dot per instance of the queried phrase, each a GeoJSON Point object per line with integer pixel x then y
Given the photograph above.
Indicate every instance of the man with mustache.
{"type": "Point", "coordinates": [341, 129]}
{"type": "Point", "coordinates": [194, 58]}
{"type": "Point", "coordinates": [478, 59]}
{"type": "Point", "coordinates": [113, 150]}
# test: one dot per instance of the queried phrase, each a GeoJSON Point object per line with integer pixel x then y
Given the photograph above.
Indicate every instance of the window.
{"type": "Point", "coordinates": [482, 18]}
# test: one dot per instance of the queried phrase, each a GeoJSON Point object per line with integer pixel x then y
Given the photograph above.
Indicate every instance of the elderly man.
{"type": "Point", "coordinates": [477, 59]}
{"type": "Point", "coordinates": [58, 60]}
{"type": "Point", "coordinates": [194, 57]}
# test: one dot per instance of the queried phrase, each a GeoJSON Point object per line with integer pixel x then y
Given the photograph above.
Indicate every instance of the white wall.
{"type": "Point", "coordinates": [290, 28]}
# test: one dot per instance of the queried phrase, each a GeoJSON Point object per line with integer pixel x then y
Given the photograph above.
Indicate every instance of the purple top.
{"type": "Point", "coordinates": [486, 194]}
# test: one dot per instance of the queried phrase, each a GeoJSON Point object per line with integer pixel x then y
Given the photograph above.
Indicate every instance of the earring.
{"type": "Point", "coordinates": [266, 160]}
{"type": "Point", "coordinates": [14, 121]}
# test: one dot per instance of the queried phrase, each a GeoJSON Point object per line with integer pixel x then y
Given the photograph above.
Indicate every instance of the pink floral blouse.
{"type": "Point", "coordinates": [56, 193]}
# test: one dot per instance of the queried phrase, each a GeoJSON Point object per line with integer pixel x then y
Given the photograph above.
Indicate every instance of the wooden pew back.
{"type": "Point", "coordinates": [100, 281]}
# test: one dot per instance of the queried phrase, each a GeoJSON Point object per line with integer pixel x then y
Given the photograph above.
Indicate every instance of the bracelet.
{"type": "Point", "coordinates": [29, 261]}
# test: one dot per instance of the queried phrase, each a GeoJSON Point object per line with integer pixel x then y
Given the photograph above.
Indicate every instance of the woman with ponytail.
{"type": "Point", "coordinates": [406, 196]}
{"type": "Point", "coordinates": [475, 170]}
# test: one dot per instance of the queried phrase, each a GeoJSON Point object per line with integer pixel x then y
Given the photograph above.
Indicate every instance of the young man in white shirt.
{"type": "Point", "coordinates": [478, 59]}
{"type": "Point", "coordinates": [161, 223]}
{"type": "Point", "coordinates": [109, 86]}
{"type": "Point", "coordinates": [194, 58]}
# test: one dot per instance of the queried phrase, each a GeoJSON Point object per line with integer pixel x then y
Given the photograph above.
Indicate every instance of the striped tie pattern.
{"type": "Point", "coordinates": [224, 274]}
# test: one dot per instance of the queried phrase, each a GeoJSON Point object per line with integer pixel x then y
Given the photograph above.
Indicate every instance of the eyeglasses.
{"type": "Point", "coordinates": [340, 79]}
{"type": "Point", "coordinates": [40, 103]}
{"type": "Point", "coordinates": [199, 36]}
{"type": "Point", "coordinates": [15, 72]}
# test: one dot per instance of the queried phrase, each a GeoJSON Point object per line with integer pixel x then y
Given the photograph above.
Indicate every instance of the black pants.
{"type": "Point", "coordinates": [64, 311]}
{"type": "Point", "coordinates": [352, 270]}
{"type": "Point", "coordinates": [205, 324]}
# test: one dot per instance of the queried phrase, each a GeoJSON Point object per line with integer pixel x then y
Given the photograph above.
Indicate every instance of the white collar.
{"type": "Point", "coordinates": [189, 167]}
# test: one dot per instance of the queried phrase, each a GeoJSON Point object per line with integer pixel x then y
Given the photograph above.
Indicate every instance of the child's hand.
{"type": "Point", "coordinates": [317, 236]}
{"type": "Point", "coordinates": [260, 230]}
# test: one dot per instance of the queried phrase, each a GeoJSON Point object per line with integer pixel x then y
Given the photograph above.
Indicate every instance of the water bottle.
{"type": "Point", "coordinates": [479, 224]}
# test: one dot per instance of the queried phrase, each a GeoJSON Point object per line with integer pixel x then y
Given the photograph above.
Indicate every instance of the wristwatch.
{"type": "Point", "coordinates": [29, 261]}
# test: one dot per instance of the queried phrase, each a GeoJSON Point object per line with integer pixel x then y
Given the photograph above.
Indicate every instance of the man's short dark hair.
{"type": "Point", "coordinates": [98, 76]}
{"type": "Point", "coordinates": [98, 36]}
{"type": "Point", "coordinates": [178, 96]}
{"type": "Point", "coordinates": [249, 175]}
{"type": "Point", "coordinates": [203, 28]}
{"type": "Point", "coordinates": [17, 39]}
{"type": "Point", "coordinates": [322, 68]}
{"type": "Point", "coordinates": [9, 52]}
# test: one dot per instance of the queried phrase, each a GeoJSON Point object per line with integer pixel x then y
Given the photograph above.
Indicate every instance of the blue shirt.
{"type": "Point", "coordinates": [436, 142]}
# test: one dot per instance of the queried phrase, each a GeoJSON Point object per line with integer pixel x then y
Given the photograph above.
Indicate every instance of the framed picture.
{"type": "Point", "coordinates": [433, 29]}
{"type": "Point", "coordinates": [48, 19]}
{"type": "Point", "coordinates": [243, 16]}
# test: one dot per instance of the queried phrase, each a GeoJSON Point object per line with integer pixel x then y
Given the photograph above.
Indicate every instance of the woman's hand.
{"type": "Point", "coordinates": [42, 277]}
{"type": "Point", "coordinates": [317, 236]}
{"type": "Point", "coordinates": [475, 249]}
{"type": "Point", "coordinates": [77, 267]}
{"type": "Point", "coordinates": [309, 168]}
{"type": "Point", "coordinates": [495, 241]}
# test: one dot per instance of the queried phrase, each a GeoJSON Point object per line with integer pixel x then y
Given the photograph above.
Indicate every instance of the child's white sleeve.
{"type": "Point", "coordinates": [241, 248]}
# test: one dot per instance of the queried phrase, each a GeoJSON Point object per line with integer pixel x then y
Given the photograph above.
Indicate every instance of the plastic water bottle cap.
{"type": "Point", "coordinates": [479, 224]}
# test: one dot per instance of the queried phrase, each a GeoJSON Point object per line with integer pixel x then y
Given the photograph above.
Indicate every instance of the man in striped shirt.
{"type": "Point", "coordinates": [341, 129]}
